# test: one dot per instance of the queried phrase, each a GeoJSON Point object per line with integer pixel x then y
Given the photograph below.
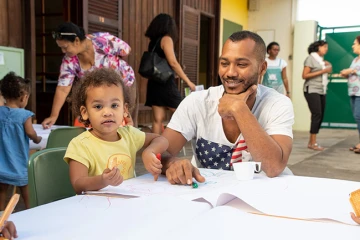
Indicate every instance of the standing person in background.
{"type": "Point", "coordinates": [315, 75]}
{"type": "Point", "coordinates": [275, 76]}
{"type": "Point", "coordinates": [162, 32]}
{"type": "Point", "coordinates": [15, 130]}
{"type": "Point", "coordinates": [86, 53]}
{"type": "Point", "coordinates": [353, 75]}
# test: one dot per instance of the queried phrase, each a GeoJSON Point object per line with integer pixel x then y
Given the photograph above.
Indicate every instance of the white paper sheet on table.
{"type": "Point", "coordinates": [291, 196]}
{"type": "Point", "coordinates": [225, 222]}
{"type": "Point", "coordinates": [44, 133]}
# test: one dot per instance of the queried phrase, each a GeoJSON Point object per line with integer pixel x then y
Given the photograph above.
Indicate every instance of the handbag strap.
{"type": "Point", "coordinates": [156, 44]}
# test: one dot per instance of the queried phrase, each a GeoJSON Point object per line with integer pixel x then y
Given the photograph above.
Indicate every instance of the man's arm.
{"type": "Point", "coordinates": [178, 171]}
{"type": "Point", "coordinates": [272, 151]}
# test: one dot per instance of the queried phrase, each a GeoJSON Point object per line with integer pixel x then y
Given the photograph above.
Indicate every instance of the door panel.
{"type": "Point", "coordinates": [190, 44]}
{"type": "Point", "coordinates": [102, 16]}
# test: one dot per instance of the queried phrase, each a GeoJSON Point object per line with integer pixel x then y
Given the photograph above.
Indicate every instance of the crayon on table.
{"type": "Point", "coordinates": [158, 156]}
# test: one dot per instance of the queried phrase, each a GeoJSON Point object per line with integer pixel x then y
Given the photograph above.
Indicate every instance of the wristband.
{"type": "Point", "coordinates": [288, 92]}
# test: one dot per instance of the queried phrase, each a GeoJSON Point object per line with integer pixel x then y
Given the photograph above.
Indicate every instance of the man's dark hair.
{"type": "Point", "coordinates": [163, 24]}
{"type": "Point", "coordinates": [260, 48]}
{"type": "Point", "coordinates": [98, 77]}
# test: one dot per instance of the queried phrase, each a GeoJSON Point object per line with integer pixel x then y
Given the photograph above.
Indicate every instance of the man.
{"type": "Point", "coordinates": [233, 122]}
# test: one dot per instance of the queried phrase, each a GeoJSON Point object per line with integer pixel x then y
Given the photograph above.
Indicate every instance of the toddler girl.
{"type": "Point", "coordinates": [15, 130]}
{"type": "Point", "coordinates": [100, 100]}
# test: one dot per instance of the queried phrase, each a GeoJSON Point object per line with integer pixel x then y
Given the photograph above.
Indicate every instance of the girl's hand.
{"type": "Point", "coordinates": [37, 140]}
{"type": "Point", "coordinates": [151, 163]}
{"type": "Point", "coordinates": [112, 177]}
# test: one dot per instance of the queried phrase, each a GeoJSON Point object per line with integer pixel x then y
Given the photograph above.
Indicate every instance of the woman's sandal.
{"type": "Point", "coordinates": [357, 150]}
{"type": "Point", "coordinates": [353, 148]}
{"type": "Point", "coordinates": [316, 147]}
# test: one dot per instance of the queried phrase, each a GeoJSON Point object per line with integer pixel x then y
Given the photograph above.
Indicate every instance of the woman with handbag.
{"type": "Point", "coordinates": [162, 32]}
{"type": "Point", "coordinates": [86, 53]}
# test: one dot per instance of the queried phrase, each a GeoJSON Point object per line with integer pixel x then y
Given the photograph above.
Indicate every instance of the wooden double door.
{"type": "Point", "coordinates": [196, 49]}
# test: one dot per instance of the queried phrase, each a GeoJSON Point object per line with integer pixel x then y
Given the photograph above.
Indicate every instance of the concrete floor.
{"type": "Point", "coordinates": [336, 161]}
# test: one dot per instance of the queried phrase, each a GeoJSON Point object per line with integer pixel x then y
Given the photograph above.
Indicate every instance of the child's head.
{"type": "Point", "coordinates": [100, 99]}
{"type": "Point", "coordinates": [15, 89]}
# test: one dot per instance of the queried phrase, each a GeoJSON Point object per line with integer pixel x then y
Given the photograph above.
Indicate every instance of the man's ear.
{"type": "Point", "coordinates": [263, 68]}
{"type": "Point", "coordinates": [84, 113]}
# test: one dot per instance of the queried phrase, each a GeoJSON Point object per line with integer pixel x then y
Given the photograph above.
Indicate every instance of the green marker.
{"type": "Point", "coordinates": [194, 185]}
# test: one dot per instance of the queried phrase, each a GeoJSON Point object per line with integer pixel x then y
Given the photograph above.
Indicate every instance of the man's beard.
{"type": "Point", "coordinates": [252, 80]}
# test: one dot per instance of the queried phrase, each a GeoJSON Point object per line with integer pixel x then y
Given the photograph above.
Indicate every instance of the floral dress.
{"type": "Point", "coordinates": [108, 51]}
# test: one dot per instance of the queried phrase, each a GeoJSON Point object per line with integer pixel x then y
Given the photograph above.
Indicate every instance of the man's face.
{"type": "Point", "coordinates": [238, 66]}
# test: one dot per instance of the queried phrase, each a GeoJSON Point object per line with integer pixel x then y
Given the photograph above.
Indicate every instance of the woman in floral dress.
{"type": "Point", "coordinates": [85, 53]}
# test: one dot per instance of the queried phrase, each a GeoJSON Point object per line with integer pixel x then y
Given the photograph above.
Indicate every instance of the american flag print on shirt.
{"type": "Point", "coordinates": [214, 155]}
{"type": "Point", "coordinates": [237, 151]}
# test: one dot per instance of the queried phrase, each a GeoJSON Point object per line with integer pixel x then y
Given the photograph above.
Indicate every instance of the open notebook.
{"type": "Point", "coordinates": [289, 196]}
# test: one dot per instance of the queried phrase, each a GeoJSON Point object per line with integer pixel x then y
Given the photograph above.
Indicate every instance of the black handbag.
{"type": "Point", "coordinates": [154, 67]}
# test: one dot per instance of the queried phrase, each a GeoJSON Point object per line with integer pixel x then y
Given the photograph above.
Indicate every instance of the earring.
{"type": "Point", "coordinates": [126, 114]}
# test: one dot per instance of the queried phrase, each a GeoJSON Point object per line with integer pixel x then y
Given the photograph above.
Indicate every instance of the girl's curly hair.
{"type": "Point", "coordinates": [13, 86]}
{"type": "Point", "coordinates": [96, 78]}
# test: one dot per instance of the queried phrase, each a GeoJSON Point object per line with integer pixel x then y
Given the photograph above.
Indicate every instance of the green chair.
{"type": "Point", "coordinates": [49, 178]}
{"type": "Point", "coordinates": [61, 137]}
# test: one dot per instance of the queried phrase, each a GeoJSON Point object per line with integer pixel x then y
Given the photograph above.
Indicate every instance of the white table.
{"type": "Point", "coordinates": [44, 133]}
{"type": "Point", "coordinates": [165, 215]}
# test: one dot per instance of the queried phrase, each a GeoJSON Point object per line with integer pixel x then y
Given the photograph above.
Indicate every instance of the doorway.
{"type": "Point", "coordinates": [204, 54]}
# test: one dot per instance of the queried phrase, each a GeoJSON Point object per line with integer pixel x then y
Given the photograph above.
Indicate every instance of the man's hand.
{"type": "Point", "coordinates": [229, 103]}
{"type": "Point", "coordinates": [182, 172]}
{"type": "Point", "coordinates": [112, 177]}
{"type": "Point", "coordinates": [152, 164]}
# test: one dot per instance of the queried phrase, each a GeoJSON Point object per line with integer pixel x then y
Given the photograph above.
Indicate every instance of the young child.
{"type": "Point", "coordinates": [100, 100]}
{"type": "Point", "coordinates": [15, 130]}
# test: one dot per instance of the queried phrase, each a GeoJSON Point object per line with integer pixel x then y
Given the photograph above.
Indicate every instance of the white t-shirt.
{"type": "Point", "coordinates": [197, 118]}
{"type": "Point", "coordinates": [276, 62]}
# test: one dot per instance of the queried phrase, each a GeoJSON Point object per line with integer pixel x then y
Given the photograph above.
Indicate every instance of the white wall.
{"type": "Point", "coordinates": [276, 18]}
{"type": "Point", "coordinates": [304, 35]}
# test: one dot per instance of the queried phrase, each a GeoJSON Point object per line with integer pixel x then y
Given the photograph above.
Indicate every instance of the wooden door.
{"type": "Point", "coordinates": [190, 44]}
{"type": "Point", "coordinates": [102, 16]}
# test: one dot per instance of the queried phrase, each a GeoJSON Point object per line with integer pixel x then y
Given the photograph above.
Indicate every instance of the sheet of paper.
{"type": "Point", "coordinates": [231, 224]}
{"type": "Point", "coordinates": [215, 184]}
{"type": "Point", "coordinates": [44, 133]}
{"type": "Point", "coordinates": [299, 197]}
{"type": "Point", "coordinates": [95, 217]}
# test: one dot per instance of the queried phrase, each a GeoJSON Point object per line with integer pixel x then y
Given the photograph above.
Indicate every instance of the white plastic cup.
{"type": "Point", "coordinates": [246, 170]}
